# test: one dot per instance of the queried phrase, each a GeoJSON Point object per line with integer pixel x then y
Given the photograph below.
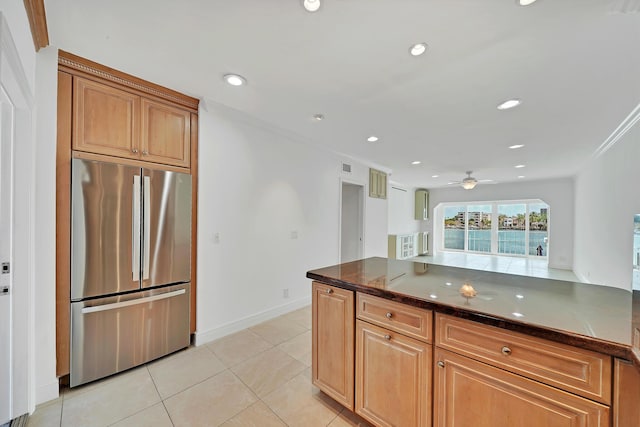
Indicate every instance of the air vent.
{"type": "Point", "coordinates": [624, 6]}
{"type": "Point", "coordinates": [346, 168]}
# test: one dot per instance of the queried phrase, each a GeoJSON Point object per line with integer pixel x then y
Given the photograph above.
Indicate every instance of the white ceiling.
{"type": "Point", "coordinates": [574, 63]}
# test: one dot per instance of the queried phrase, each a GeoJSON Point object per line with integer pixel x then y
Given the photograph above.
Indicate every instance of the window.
{"type": "Point", "coordinates": [454, 220]}
{"type": "Point", "coordinates": [479, 228]}
{"type": "Point", "coordinates": [518, 228]}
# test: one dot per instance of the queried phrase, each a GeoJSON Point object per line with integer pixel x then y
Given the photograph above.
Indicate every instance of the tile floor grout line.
{"type": "Point", "coordinates": [168, 413]}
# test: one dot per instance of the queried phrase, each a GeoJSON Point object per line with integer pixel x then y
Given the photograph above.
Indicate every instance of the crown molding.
{"type": "Point", "coordinates": [619, 132]}
{"type": "Point", "coordinates": [80, 66]}
{"type": "Point", "coordinates": [37, 22]}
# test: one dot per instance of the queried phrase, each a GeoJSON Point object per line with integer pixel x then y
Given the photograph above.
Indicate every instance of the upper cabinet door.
{"type": "Point", "coordinates": [166, 134]}
{"type": "Point", "coordinates": [106, 120]}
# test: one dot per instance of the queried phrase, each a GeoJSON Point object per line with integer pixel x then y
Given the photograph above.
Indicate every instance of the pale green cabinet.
{"type": "Point", "coordinates": [377, 184]}
{"type": "Point", "coordinates": [422, 204]}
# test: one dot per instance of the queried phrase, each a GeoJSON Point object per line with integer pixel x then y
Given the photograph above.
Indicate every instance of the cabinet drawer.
{"type": "Point", "coordinates": [408, 320]}
{"type": "Point", "coordinates": [470, 393]}
{"type": "Point", "coordinates": [580, 371]}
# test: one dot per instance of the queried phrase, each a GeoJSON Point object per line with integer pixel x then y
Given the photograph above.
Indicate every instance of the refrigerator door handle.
{"type": "Point", "coordinates": [115, 305]}
{"type": "Point", "coordinates": [147, 226]}
{"type": "Point", "coordinates": [135, 232]}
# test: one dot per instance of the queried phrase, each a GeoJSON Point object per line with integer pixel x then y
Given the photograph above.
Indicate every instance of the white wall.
{"type": "Point", "coordinates": [257, 185]}
{"type": "Point", "coordinates": [557, 193]}
{"type": "Point", "coordinates": [402, 210]}
{"type": "Point", "coordinates": [606, 198]}
{"type": "Point", "coordinates": [16, 16]}
{"type": "Point", "coordinates": [46, 382]}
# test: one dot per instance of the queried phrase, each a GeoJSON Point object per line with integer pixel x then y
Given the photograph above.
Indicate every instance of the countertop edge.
{"type": "Point", "coordinates": [564, 337]}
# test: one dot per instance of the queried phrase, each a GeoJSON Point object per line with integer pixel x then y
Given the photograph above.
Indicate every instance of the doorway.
{"type": "Point", "coordinates": [351, 222]}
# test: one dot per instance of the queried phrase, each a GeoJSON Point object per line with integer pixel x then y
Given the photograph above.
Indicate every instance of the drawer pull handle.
{"type": "Point", "coordinates": [387, 337]}
{"type": "Point", "coordinates": [506, 350]}
{"type": "Point", "coordinates": [389, 315]}
{"type": "Point", "coordinates": [329, 291]}
{"type": "Point", "coordinates": [441, 363]}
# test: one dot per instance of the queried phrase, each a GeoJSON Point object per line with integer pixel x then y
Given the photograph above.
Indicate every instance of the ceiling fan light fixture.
{"type": "Point", "coordinates": [469, 183]}
{"type": "Point", "coordinates": [311, 5]}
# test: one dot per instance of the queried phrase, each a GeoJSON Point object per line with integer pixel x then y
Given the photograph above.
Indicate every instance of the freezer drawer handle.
{"type": "Point", "coordinates": [144, 300]}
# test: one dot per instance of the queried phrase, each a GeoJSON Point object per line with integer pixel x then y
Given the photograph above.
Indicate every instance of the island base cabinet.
{"type": "Point", "coordinates": [333, 342]}
{"type": "Point", "coordinates": [470, 393]}
{"type": "Point", "coordinates": [393, 378]}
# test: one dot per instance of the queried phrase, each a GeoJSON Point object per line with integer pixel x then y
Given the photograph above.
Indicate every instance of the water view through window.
{"type": "Point", "coordinates": [500, 228]}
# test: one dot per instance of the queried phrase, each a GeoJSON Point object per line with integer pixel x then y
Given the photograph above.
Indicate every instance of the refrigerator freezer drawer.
{"type": "Point", "coordinates": [110, 335]}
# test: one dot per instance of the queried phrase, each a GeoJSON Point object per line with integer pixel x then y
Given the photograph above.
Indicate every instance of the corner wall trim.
{"type": "Point", "coordinates": [238, 325]}
{"type": "Point", "coordinates": [619, 132]}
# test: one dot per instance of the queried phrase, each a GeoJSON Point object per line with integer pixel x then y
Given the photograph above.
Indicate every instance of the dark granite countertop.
{"type": "Point", "coordinates": [598, 318]}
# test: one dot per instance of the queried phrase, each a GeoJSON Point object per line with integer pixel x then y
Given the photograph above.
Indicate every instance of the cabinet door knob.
{"type": "Point", "coordinates": [441, 363]}
{"type": "Point", "coordinates": [506, 350]}
{"type": "Point", "coordinates": [387, 337]}
{"type": "Point", "coordinates": [145, 153]}
{"type": "Point", "coordinates": [134, 150]}
{"type": "Point", "coordinates": [389, 315]}
{"type": "Point", "coordinates": [329, 291]}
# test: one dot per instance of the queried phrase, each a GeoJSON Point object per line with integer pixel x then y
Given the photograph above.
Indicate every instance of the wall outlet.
{"type": "Point", "coordinates": [285, 293]}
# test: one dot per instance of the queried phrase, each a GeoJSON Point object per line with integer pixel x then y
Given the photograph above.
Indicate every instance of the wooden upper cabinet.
{"type": "Point", "coordinates": [118, 123]}
{"type": "Point", "coordinates": [105, 119]}
{"type": "Point", "coordinates": [166, 134]}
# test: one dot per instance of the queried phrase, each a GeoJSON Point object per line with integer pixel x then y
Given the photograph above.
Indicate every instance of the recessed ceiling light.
{"type": "Point", "coordinates": [311, 5]}
{"type": "Point", "coordinates": [434, 296]}
{"type": "Point", "coordinates": [518, 314]}
{"type": "Point", "coordinates": [435, 176]}
{"type": "Point", "coordinates": [525, 2]}
{"type": "Point", "coordinates": [513, 147]}
{"type": "Point", "coordinates": [509, 104]}
{"type": "Point", "coordinates": [318, 117]}
{"type": "Point", "coordinates": [519, 166]}
{"type": "Point", "coordinates": [520, 176]}
{"type": "Point", "coordinates": [235, 79]}
{"type": "Point", "coordinates": [520, 296]}
{"type": "Point", "coordinates": [417, 162]}
{"type": "Point", "coordinates": [418, 49]}
{"type": "Point", "coordinates": [372, 138]}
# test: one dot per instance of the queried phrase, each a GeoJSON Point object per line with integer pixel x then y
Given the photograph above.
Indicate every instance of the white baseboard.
{"type": "Point", "coordinates": [581, 277]}
{"type": "Point", "coordinates": [47, 392]}
{"type": "Point", "coordinates": [246, 322]}
{"type": "Point", "coordinates": [560, 266]}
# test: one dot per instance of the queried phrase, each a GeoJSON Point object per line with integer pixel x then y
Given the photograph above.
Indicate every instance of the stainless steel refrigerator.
{"type": "Point", "coordinates": [130, 266]}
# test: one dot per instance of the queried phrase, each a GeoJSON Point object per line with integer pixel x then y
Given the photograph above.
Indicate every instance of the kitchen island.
{"type": "Point", "coordinates": [394, 339]}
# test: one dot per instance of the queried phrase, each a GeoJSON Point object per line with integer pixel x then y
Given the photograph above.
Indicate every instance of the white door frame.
{"type": "Point", "coordinates": [19, 104]}
{"type": "Point", "coordinates": [363, 209]}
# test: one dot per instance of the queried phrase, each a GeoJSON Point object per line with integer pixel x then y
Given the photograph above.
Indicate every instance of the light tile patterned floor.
{"type": "Point", "coordinates": [530, 266]}
{"type": "Point", "coordinates": [260, 376]}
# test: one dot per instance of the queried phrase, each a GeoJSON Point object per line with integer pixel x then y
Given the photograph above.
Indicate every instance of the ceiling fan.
{"type": "Point", "coordinates": [470, 182]}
